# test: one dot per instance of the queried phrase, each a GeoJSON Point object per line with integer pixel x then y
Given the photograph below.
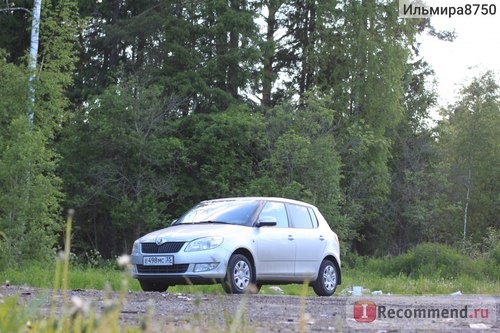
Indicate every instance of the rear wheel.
{"type": "Point", "coordinates": [240, 276]}
{"type": "Point", "coordinates": [148, 285]}
{"type": "Point", "coordinates": [327, 280]}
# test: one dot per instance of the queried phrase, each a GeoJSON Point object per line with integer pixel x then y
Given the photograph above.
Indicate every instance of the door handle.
{"type": "Point", "coordinates": [321, 238]}
{"type": "Point", "coordinates": [290, 237]}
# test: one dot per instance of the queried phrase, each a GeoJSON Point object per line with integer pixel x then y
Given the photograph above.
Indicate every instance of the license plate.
{"type": "Point", "coordinates": [158, 261]}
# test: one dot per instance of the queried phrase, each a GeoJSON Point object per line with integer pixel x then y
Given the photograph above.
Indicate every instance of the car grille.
{"type": "Point", "coordinates": [181, 268]}
{"type": "Point", "coordinates": [169, 247]}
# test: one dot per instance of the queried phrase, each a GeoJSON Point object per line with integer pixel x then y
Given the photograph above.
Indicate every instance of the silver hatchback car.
{"type": "Point", "coordinates": [241, 243]}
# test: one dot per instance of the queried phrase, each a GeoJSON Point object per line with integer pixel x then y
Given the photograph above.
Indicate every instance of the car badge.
{"type": "Point", "coordinates": [160, 241]}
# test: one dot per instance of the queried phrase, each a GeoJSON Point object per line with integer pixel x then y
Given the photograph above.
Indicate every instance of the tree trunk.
{"type": "Point", "coordinates": [269, 53]}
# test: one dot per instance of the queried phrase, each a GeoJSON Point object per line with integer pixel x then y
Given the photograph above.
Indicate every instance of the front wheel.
{"type": "Point", "coordinates": [327, 280]}
{"type": "Point", "coordinates": [147, 285]}
{"type": "Point", "coordinates": [240, 276]}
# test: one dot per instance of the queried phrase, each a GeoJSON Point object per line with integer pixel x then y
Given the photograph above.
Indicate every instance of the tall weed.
{"type": "Point", "coordinates": [439, 261]}
{"type": "Point", "coordinates": [77, 314]}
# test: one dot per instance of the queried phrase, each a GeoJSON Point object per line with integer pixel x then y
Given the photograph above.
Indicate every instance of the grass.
{"type": "Point", "coordinates": [404, 285]}
{"type": "Point", "coordinates": [15, 317]}
{"type": "Point", "coordinates": [36, 275]}
{"type": "Point", "coordinates": [428, 269]}
{"type": "Point", "coordinates": [78, 316]}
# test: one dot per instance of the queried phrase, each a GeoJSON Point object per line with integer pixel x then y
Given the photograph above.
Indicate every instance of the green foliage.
{"type": "Point", "coordinates": [302, 161]}
{"type": "Point", "coordinates": [365, 181]}
{"type": "Point", "coordinates": [432, 259]}
{"type": "Point", "coordinates": [435, 261]}
{"type": "Point", "coordinates": [469, 137]}
{"type": "Point", "coordinates": [153, 106]}
{"type": "Point", "coordinates": [124, 167]}
{"type": "Point", "coordinates": [17, 317]}
{"type": "Point", "coordinates": [417, 210]}
{"type": "Point", "coordinates": [30, 195]}
{"type": "Point", "coordinates": [423, 285]}
{"type": "Point", "coordinates": [495, 255]}
{"type": "Point", "coordinates": [12, 316]}
{"type": "Point", "coordinates": [481, 277]}
{"type": "Point", "coordinates": [491, 240]}
{"type": "Point", "coordinates": [352, 260]}
{"type": "Point", "coordinates": [30, 190]}
{"type": "Point", "coordinates": [224, 152]}
{"type": "Point", "coordinates": [15, 27]}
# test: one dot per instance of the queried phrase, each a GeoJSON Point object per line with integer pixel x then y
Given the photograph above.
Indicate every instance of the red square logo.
{"type": "Point", "coordinates": [365, 311]}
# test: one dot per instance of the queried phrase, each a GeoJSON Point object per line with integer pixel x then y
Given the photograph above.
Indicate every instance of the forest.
{"type": "Point", "coordinates": [143, 108]}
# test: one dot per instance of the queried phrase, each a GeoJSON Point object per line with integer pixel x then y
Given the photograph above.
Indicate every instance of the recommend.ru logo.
{"type": "Point", "coordinates": [427, 312]}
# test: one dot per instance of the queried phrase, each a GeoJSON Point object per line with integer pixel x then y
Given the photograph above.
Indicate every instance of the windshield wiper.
{"type": "Point", "coordinates": [209, 222]}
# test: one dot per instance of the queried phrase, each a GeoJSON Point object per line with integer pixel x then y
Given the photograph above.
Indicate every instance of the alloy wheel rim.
{"type": "Point", "coordinates": [241, 275]}
{"type": "Point", "coordinates": [329, 278]}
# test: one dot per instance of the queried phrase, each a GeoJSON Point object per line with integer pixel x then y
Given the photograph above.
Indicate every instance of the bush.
{"type": "Point", "coordinates": [352, 260]}
{"type": "Point", "coordinates": [495, 255]}
{"type": "Point", "coordinates": [440, 261]}
{"type": "Point", "coordinates": [425, 260]}
{"type": "Point", "coordinates": [491, 241]}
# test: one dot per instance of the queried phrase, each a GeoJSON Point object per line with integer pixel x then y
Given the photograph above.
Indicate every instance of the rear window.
{"type": "Point", "coordinates": [314, 219]}
{"type": "Point", "coordinates": [300, 216]}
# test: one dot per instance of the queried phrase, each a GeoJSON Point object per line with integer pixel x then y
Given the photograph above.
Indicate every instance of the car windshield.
{"type": "Point", "coordinates": [221, 211]}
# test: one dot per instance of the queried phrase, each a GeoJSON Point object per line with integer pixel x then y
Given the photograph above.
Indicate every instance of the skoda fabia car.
{"type": "Point", "coordinates": [241, 243]}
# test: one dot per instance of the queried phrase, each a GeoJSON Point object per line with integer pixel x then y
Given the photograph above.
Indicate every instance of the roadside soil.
{"type": "Point", "coordinates": [174, 312]}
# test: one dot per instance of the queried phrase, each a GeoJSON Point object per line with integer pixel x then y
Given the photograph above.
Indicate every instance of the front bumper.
{"type": "Point", "coordinates": [188, 267]}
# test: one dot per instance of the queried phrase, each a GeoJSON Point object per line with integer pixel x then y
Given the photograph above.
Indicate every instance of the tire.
{"type": "Point", "coordinates": [327, 280]}
{"type": "Point", "coordinates": [240, 276]}
{"type": "Point", "coordinates": [150, 285]}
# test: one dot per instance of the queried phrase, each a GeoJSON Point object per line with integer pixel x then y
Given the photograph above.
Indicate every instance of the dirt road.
{"type": "Point", "coordinates": [171, 312]}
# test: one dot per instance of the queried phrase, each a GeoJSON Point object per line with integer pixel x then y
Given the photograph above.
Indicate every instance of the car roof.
{"type": "Point", "coordinates": [285, 200]}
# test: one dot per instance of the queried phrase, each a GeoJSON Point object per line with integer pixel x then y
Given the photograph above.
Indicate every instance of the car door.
{"type": "Point", "coordinates": [275, 244]}
{"type": "Point", "coordinates": [309, 242]}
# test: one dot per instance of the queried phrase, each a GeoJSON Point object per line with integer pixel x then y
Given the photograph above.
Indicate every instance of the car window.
{"type": "Point", "coordinates": [314, 219]}
{"type": "Point", "coordinates": [227, 211]}
{"type": "Point", "coordinates": [300, 216]}
{"type": "Point", "coordinates": [276, 210]}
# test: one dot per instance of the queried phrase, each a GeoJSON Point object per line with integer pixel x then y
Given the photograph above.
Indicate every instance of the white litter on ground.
{"type": "Point", "coordinates": [276, 289]}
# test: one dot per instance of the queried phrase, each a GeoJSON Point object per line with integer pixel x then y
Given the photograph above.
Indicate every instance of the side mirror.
{"type": "Point", "coordinates": [173, 221]}
{"type": "Point", "coordinates": [267, 221]}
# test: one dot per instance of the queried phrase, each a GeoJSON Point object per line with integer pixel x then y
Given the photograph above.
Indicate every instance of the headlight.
{"type": "Point", "coordinates": [206, 243]}
{"type": "Point", "coordinates": [136, 249]}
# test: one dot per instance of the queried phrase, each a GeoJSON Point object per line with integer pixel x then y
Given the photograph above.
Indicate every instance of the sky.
{"type": "Point", "coordinates": [475, 50]}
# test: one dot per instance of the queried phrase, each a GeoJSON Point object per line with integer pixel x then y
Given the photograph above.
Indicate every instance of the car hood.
{"type": "Point", "coordinates": [188, 232]}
